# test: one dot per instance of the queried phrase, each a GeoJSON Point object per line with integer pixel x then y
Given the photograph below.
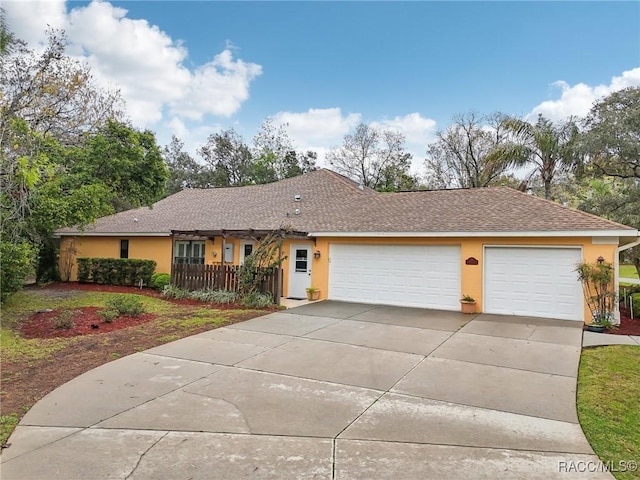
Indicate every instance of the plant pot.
{"type": "Point", "coordinates": [313, 295]}
{"type": "Point", "coordinates": [596, 328]}
{"type": "Point", "coordinates": [468, 307]}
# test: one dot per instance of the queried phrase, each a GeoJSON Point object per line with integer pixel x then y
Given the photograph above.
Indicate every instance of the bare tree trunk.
{"type": "Point", "coordinates": [547, 188]}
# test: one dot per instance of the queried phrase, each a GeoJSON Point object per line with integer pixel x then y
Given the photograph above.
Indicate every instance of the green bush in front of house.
{"type": "Point", "coordinates": [635, 300]}
{"type": "Point", "coordinates": [115, 271]}
{"type": "Point", "coordinates": [126, 305]}
{"type": "Point", "coordinates": [160, 280]}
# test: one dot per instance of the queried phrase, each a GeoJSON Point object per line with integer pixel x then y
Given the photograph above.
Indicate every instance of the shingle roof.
{"type": "Point", "coordinates": [332, 203]}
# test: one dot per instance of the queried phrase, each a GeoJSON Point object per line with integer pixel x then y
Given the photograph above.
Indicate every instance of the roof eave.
{"type": "Point", "coordinates": [533, 233]}
{"type": "Point", "coordinates": [111, 234]}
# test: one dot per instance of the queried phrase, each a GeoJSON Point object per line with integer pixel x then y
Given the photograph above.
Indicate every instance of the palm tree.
{"type": "Point", "coordinates": [551, 148]}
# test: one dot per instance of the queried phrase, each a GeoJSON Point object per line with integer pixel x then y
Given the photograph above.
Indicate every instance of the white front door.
{"type": "Point", "coordinates": [299, 271]}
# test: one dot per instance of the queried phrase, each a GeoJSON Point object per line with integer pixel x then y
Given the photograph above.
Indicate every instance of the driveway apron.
{"type": "Point", "coordinates": [328, 390]}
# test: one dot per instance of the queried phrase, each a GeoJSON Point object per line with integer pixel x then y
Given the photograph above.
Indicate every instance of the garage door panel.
{"type": "Point", "coordinates": [408, 275]}
{"type": "Point", "coordinates": [533, 281]}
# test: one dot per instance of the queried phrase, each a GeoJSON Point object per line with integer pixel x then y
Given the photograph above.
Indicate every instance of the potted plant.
{"type": "Point", "coordinates": [468, 304]}
{"type": "Point", "coordinates": [597, 285]}
{"type": "Point", "coordinates": [313, 293]}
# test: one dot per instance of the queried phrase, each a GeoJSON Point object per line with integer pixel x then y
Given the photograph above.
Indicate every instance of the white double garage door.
{"type": "Point", "coordinates": [539, 282]}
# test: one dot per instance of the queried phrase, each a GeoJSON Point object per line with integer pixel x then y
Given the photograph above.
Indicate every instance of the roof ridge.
{"type": "Point", "coordinates": [348, 182]}
{"type": "Point", "coordinates": [574, 210]}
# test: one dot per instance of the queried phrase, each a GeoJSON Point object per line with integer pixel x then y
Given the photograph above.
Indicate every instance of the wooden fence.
{"type": "Point", "coordinates": [218, 277]}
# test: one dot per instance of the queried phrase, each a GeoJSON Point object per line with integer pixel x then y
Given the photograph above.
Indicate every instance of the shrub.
{"type": "Point", "coordinates": [171, 291]}
{"type": "Point", "coordinates": [635, 300]}
{"type": "Point", "coordinates": [126, 305]}
{"type": "Point", "coordinates": [160, 280]}
{"type": "Point", "coordinates": [16, 263]}
{"type": "Point", "coordinates": [257, 300]}
{"type": "Point", "coordinates": [214, 296]}
{"type": "Point", "coordinates": [64, 321]}
{"type": "Point", "coordinates": [109, 315]}
{"type": "Point", "coordinates": [115, 271]}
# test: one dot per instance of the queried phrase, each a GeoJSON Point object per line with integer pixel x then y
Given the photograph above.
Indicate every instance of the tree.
{"type": "Point", "coordinates": [274, 156]}
{"type": "Point", "coordinates": [52, 92]}
{"type": "Point", "coordinates": [551, 148]}
{"type": "Point", "coordinates": [612, 137]}
{"type": "Point", "coordinates": [184, 171]}
{"type": "Point", "coordinates": [228, 158]}
{"type": "Point", "coordinates": [64, 159]}
{"type": "Point", "coordinates": [460, 156]}
{"type": "Point", "coordinates": [271, 145]}
{"type": "Point", "coordinates": [373, 157]}
{"type": "Point", "coordinates": [127, 160]}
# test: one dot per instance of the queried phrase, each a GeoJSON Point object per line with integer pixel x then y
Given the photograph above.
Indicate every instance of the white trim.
{"type": "Point", "coordinates": [564, 233]}
{"type": "Point", "coordinates": [605, 241]}
{"type": "Point", "coordinates": [112, 234]}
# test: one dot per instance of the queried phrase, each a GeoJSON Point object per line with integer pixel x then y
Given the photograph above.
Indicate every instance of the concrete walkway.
{"type": "Point", "coordinates": [324, 391]}
{"type": "Point", "coordinates": [592, 339]}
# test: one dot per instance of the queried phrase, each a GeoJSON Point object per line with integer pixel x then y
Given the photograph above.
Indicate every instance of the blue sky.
{"type": "Point", "coordinates": [192, 68]}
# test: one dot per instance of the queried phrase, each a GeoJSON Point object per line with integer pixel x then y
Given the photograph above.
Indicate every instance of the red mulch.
{"type": "Point", "coordinates": [628, 326]}
{"type": "Point", "coordinates": [86, 321]}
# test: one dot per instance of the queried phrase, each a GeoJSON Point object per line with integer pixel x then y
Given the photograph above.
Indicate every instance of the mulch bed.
{"type": "Point", "coordinates": [84, 321]}
{"type": "Point", "coordinates": [628, 326]}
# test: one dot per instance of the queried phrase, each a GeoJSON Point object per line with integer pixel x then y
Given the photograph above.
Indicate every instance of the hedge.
{"type": "Point", "coordinates": [635, 298]}
{"type": "Point", "coordinates": [115, 271]}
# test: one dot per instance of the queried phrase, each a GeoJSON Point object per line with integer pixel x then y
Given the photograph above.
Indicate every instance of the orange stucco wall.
{"type": "Point", "coordinates": [159, 249]}
{"type": "Point", "coordinates": [471, 275]}
{"type": "Point", "coordinates": [142, 248]}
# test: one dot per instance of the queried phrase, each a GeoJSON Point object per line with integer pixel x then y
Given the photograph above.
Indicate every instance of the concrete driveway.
{"type": "Point", "coordinates": [327, 390]}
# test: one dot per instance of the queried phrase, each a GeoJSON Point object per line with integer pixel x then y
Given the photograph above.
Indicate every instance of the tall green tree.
{"type": "Point", "coordinates": [374, 157]}
{"type": "Point", "coordinates": [612, 134]}
{"type": "Point", "coordinates": [549, 147]}
{"type": "Point", "coordinates": [228, 159]}
{"type": "Point", "coordinates": [461, 155]}
{"type": "Point", "coordinates": [64, 159]}
{"type": "Point", "coordinates": [184, 171]}
{"type": "Point", "coordinates": [611, 148]}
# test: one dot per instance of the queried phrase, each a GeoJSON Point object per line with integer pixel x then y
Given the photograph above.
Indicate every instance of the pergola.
{"type": "Point", "coordinates": [248, 234]}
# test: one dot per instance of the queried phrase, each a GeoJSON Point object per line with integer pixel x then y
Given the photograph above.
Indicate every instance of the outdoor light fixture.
{"type": "Point", "coordinates": [316, 254]}
{"type": "Point", "coordinates": [600, 259]}
{"type": "Point", "coordinates": [214, 254]}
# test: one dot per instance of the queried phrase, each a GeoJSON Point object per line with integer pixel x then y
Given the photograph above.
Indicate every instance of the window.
{"type": "Point", "coordinates": [124, 248]}
{"type": "Point", "coordinates": [301, 259]}
{"type": "Point", "coordinates": [189, 252]}
{"type": "Point", "coordinates": [246, 250]}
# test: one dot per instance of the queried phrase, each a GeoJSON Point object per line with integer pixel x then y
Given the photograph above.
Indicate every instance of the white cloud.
{"type": "Point", "coordinates": [321, 126]}
{"type": "Point", "coordinates": [144, 62]}
{"type": "Point", "coordinates": [321, 129]}
{"type": "Point", "coordinates": [578, 99]}
{"type": "Point", "coordinates": [415, 127]}
{"type": "Point", "coordinates": [29, 20]}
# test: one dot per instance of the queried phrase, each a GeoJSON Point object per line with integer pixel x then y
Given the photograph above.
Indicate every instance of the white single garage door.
{"type": "Point", "coordinates": [405, 275]}
{"type": "Point", "coordinates": [536, 282]}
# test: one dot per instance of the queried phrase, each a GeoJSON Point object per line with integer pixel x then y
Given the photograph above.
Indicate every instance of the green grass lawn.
{"type": "Point", "coordinates": [628, 271]}
{"type": "Point", "coordinates": [609, 404]}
